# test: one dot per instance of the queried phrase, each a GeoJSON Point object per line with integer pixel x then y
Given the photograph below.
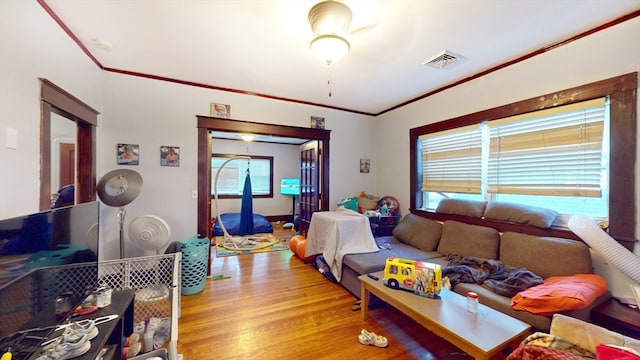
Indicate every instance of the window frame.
{"type": "Point", "coordinates": [622, 94]}
{"type": "Point", "coordinates": [253, 157]}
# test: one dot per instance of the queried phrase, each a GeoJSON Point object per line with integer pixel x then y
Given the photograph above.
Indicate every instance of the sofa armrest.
{"type": "Point", "coordinates": [587, 335]}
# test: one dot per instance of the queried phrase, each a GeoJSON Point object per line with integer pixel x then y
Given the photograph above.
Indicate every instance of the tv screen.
{"type": "Point", "coordinates": [36, 251]}
{"type": "Point", "coordinates": [290, 186]}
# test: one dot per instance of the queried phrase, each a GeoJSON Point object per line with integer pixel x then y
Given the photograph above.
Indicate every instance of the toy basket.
{"type": "Point", "coordinates": [195, 259]}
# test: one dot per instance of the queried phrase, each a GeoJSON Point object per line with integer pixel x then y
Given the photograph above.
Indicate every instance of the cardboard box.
{"type": "Point", "coordinates": [427, 279]}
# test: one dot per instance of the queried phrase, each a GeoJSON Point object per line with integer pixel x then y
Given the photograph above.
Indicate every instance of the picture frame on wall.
{"type": "Point", "coordinates": [317, 122]}
{"type": "Point", "coordinates": [365, 165]}
{"type": "Point", "coordinates": [221, 110]}
{"type": "Point", "coordinates": [170, 156]}
{"type": "Point", "coordinates": [128, 154]}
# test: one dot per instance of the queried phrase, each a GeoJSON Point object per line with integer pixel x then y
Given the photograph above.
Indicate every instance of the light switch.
{"type": "Point", "coordinates": [12, 138]}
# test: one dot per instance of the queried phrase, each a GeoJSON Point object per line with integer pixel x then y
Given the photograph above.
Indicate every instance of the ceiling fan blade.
{"type": "Point", "coordinates": [362, 29]}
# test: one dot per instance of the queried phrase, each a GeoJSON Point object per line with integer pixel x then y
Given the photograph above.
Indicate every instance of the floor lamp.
{"type": "Point", "coordinates": [118, 188]}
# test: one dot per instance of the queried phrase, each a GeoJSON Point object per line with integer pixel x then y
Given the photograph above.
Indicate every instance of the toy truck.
{"type": "Point", "coordinates": [421, 278]}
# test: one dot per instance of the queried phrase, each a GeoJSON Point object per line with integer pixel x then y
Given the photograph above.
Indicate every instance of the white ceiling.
{"type": "Point", "coordinates": [262, 46]}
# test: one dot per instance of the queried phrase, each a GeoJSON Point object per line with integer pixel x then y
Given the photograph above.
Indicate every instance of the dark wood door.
{"type": "Point", "coordinates": [67, 164]}
{"type": "Point", "coordinates": [310, 189]}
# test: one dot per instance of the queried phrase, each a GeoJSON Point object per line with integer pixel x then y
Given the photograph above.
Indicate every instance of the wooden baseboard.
{"type": "Point", "coordinates": [283, 218]}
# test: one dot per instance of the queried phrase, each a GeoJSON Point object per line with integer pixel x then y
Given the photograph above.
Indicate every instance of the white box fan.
{"type": "Point", "coordinates": [149, 232]}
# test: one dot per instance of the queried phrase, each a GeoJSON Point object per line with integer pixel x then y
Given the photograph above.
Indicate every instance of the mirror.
{"type": "Point", "coordinates": [61, 110]}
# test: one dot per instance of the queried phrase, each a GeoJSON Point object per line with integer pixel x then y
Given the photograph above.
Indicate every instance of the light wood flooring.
{"type": "Point", "coordinates": [276, 307]}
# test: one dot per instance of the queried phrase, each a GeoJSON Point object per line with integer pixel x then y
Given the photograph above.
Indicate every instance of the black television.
{"type": "Point", "coordinates": [44, 255]}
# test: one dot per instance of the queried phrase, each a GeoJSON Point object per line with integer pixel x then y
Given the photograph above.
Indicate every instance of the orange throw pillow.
{"type": "Point", "coordinates": [560, 293]}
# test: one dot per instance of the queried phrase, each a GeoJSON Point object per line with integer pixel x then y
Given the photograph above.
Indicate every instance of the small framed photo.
{"type": "Point", "coordinates": [220, 110]}
{"type": "Point", "coordinates": [169, 156]}
{"type": "Point", "coordinates": [365, 164]}
{"type": "Point", "coordinates": [317, 122]}
{"type": "Point", "coordinates": [128, 154]}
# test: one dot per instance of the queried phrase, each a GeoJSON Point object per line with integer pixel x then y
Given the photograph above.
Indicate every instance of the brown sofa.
{"type": "Point", "coordinates": [419, 238]}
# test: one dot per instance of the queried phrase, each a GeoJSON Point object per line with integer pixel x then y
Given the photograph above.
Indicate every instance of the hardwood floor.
{"type": "Point", "coordinates": [276, 307]}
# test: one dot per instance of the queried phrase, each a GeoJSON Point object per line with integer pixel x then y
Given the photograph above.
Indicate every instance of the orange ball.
{"type": "Point", "coordinates": [300, 250]}
{"type": "Point", "coordinates": [293, 243]}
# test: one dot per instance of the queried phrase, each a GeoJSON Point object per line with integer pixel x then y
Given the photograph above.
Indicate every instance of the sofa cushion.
{"type": "Point", "coordinates": [520, 214]}
{"type": "Point", "coordinates": [545, 256]}
{"type": "Point", "coordinates": [419, 232]}
{"type": "Point", "coordinates": [371, 262]}
{"type": "Point", "coordinates": [474, 208]}
{"type": "Point", "coordinates": [469, 240]}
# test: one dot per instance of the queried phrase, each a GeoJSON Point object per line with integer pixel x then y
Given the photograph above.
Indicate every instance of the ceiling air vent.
{"type": "Point", "coordinates": [442, 60]}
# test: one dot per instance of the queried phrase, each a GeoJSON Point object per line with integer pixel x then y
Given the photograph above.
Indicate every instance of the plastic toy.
{"type": "Point", "coordinates": [421, 278]}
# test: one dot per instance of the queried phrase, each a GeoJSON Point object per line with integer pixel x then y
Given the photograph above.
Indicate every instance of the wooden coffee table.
{"type": "Point", "coordinates": [482, 336]}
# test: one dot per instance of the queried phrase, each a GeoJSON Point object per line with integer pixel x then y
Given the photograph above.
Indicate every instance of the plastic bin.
{"type": "Point", "coordinates": [195, 259]}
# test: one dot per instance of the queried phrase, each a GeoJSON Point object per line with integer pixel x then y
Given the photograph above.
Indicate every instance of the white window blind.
{"type": "Point", "coordinates": [232, 177]}
{"type": "Point", "coordinates": [549, 152]}
{"type": "Point", "coordinates": [452, 160]}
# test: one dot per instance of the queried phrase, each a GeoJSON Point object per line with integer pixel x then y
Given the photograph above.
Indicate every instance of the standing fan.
{"type": "Point", "coordinates": [119, 188]}
{"type": "Point", "coordinates": [149, 232]}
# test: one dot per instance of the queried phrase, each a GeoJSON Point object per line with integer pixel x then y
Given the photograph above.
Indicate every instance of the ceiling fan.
{"type": "Point", "coordinates": [330, 23]}
{"type": "Point", "coordinates": [333, 18]}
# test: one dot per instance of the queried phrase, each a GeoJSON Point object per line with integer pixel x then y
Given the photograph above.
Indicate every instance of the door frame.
{"type": "Point", "coordinates": [207, 124]}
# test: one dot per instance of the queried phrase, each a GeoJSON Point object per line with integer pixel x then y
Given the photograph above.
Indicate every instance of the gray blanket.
{"type": "Point", "coordinates": [502, 279]}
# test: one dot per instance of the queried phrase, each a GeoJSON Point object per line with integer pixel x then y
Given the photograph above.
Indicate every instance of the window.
{"type": "Point", "coordinates": [550, 158]}
{"type": "Point", "coordinates": [619, 139]}
{"type": "Point", "coordinates": [231, 179]}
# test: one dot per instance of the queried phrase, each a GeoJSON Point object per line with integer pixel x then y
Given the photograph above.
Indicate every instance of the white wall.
{"type": "Point", "coordinates": [140, 111]}
{"type": "Point", "coordinates": [153, 113]}
{"type": "Point", "coordinates": [33, 46]}
{"type": "Point", "coordinates": [608, 53]}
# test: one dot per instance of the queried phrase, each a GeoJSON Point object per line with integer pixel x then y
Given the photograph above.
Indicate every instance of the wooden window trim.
{"type": "Point", "coordinates": [622, 92]}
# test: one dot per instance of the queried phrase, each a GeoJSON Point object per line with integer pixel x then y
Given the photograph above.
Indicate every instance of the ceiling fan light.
{"type": "Point", "coordinates": [329, 48]}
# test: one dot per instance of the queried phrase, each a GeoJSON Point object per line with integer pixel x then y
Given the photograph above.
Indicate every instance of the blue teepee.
{"type": "Point", "coordinates": [246, 211]}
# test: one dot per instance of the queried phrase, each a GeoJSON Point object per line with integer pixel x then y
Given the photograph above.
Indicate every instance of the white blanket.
{"type": "Point", "coordinates": [335, 234]}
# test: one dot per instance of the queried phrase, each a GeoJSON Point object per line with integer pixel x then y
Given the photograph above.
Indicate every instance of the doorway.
{"type": "Point", "coordinates": [54, 103]}
{"type": "Point", "coordinates": [207, 124]}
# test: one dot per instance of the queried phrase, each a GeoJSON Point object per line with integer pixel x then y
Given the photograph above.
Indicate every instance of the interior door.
{"type": "Point", "coordinates": [310, 189]}
{"type": "Point", "coordinates": [67, 164]}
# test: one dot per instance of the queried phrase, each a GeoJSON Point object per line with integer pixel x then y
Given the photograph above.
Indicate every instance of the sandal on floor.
{"type": "Point", "coordinates": [356, 305]}
{"type": "Point", "coordinates": [369, 338]}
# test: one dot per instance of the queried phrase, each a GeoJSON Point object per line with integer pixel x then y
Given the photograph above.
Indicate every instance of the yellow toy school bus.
{"type": "Point", "coordinates": [422, 278]}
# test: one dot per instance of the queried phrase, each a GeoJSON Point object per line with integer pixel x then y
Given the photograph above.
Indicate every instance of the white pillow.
{"type": "Point", "coordinates": [587, 335]}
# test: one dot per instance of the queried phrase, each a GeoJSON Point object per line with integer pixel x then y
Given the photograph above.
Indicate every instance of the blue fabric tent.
{"type": "Point", "coordinates": [246, 210]}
